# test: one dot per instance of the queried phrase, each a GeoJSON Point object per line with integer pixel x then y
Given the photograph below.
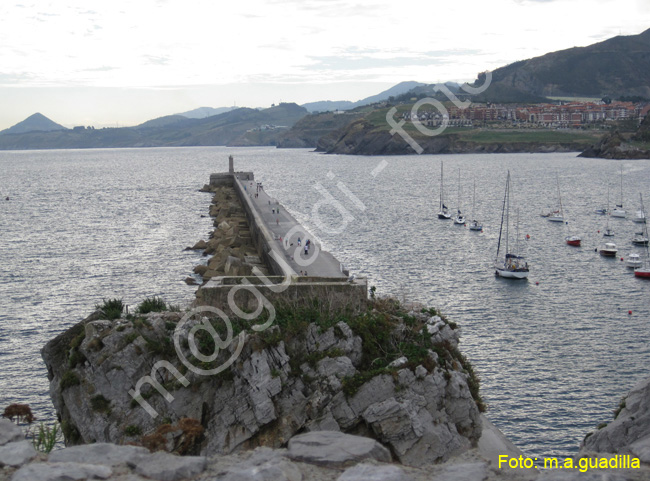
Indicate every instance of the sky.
{"type": "Point", "coordinates": [120, 63]}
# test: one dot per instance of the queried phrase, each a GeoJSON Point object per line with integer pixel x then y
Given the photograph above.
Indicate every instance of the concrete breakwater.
{"type": "Point", "coordinates": [257, 241]}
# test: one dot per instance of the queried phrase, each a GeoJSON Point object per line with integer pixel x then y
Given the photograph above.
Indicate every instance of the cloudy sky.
{"type": "Point", "coordinates": [118, 62]}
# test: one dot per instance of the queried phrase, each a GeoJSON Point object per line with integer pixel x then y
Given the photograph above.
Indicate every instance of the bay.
{"type": "Point", "coordinates": [555, 353]}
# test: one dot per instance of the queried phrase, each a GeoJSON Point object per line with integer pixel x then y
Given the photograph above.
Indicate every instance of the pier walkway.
{"type": "Point", "coordinates": [286, 230]}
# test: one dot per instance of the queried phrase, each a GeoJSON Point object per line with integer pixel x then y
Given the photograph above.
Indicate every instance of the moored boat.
{"type": "Point", "coordinates": [633, 260]}
{"type": "Point", "coordinates": [573, 240]}
{"type": "Point", "coordinates": [443, 213]}
{"type": "Point", "coordinates": [512, 266]}
{"type": "Point", "coordinates": [644, 270]}
{"type": "Point", "coordinates": [608, 250]}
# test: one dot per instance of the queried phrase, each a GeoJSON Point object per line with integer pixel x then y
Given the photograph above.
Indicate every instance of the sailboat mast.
{"type": "Point", "coordinates": [621, 206]}
{"type": "Point", "coordinates": [559, 196]}
{"type": "Point", "coordinates": [441, 185]}
{"type": "Point", "coordinates": [508, 214]}
{"type": "Point", "coordinates": [503, 212]}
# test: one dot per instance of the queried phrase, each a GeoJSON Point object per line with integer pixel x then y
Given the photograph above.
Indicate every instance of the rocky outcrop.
{"type": "Point", "coordinates": [362, 138]}
{"type": "Point", "coordinates": [615, 146]}
{"type": "Point", "coordinates": [394, 376]}
{"type": "Point", "coordinates": [629, 432]}
{"type": "Point", "coordinates": [230, 244]}
{"type": "Point", "coordinates": [308, 130]}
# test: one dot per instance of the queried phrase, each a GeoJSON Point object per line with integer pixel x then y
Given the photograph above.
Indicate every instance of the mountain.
{"type": "Point", "coordinates": [330, 105]}
{"type": "Point", "coordinates": [615, 68]}
{"type": "Point", "coordinates": [242, 126]}
{"type": "Point", "coordinates": [34, 123]}
{"type": "Point", "coordinates": [203, 112]}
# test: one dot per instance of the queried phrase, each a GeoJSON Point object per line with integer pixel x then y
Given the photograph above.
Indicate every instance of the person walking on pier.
{"type": "Point", "coordinates": [306, 250]}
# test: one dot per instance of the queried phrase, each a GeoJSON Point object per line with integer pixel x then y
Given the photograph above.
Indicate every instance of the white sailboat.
{"type": "Point", "coordinates": [460, 218]}
{"type": "Point", "coordinates": [639, 217]}
{"type": "Point", "coordinates": [557, 215]}
{"type": "Point", "coordinates": [644, 270]}
{"type": "Point", "coordinates": [474, 224]}
{"type": "Point", "coordinates": [641, 238]}
{"type": "Point", "coordinates": [618, 210]}
{"type": "Point", "coordinates": [443, 213]}
{"type": "Point", "coordinates": [608, 231]}
{"type": "Point", "coordinates": [570, 239]}
{"type": "Point", "coordinates": [511, 265]}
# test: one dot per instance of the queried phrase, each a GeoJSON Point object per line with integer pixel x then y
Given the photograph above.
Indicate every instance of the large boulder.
{"type": "Point", "coordinates": [126, 376]}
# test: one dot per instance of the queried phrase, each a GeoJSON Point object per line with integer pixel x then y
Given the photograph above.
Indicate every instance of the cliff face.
{"type": "Point", "coordinates": [324, 375]}
{"type": "Point", "coordinates": [308, 130]}
{"type": "Point", "coordinates": [616, 146]}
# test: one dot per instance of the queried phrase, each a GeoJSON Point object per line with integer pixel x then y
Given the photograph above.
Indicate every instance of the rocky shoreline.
{"type": "Point", "coordinates": [361, 138]}
{"type": "Point", "coordinates": [229, 246]}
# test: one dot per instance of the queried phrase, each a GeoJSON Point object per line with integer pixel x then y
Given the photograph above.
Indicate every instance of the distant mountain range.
{"type": "Point", "coordinates": [618, 67]}
{"type": "Point", "coordinates": [203, 112]}
{"type": "Point", "coordinates": [332, 105]}
{"type": "Point", "coordinates": [239, 127]}
{"type": "Point", "coordinates": [615, 68]}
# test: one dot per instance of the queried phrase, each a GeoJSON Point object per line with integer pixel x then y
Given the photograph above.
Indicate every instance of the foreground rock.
{"type": "Point", "coordinates": [390, 375]}
{"type": "Point", "coordinates": [629, 433]}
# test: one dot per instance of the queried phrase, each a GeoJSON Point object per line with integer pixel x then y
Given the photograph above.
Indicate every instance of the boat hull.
{"type": "Point", "coordinates": [607, 253]}
{"type": "Point", "coordinates": [443, 216]}
{"type": "Point", "coordinates": [508, 274]}
{"type": "Point", "coordinates": [642, 272]}
{"type": "Point", "coordinates": [573, 241]}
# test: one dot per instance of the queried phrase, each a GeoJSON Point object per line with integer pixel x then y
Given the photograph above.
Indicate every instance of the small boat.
{"type": "Point", "coordinates": [557, 215]}
{"type": "Point", "coordinates": [474, 224]}
{"type": "Point", "coordinates": [602, 211]}
{"type": "Point", "coordinates": [643, 271]}
{"type": "Point", "coordinates": [608, 250]}
{"type": "Point", "coordinates": [618, 210]}
{"type": "Point", "coordinates": [639, 216]}
{"type": "Point", "coordinates": [633, 260]}
{"type": "Point", "coordinates": [513, 266]}
{"type": "Point", "coordinates": [640, 239]}
{"type": "Point", "coordinates": [570, 239]}
{"type": "Point", "coordinates": [608, 232]}
{"type": "Point", "coordinates": [460, 218]}
{"type": "Point", "coordinates": [443, 213]}
{"type": "Point", "coordinates": [573, 240]}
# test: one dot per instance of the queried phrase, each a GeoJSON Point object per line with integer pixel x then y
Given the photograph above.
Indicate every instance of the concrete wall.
{"type": "Point", "coordinates": [262, 238]}
{"type": "Point", "coordinates": [332, 295]}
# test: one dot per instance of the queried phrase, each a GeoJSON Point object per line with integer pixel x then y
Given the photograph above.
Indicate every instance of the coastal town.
{"type": "Point", "coordinates": [563, 114]}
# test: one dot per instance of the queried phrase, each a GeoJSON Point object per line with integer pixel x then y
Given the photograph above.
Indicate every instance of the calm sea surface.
{"type": "Point", "coordinates": [555, 353]}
